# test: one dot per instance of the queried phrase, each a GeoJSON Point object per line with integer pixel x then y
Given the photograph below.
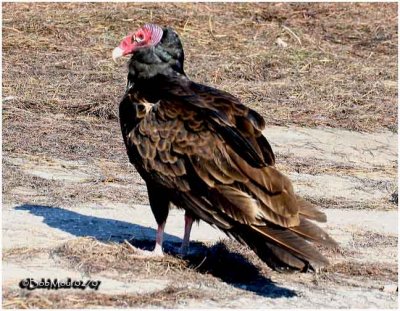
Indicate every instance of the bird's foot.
{"type": "Point", "coordinates": [155, 253]}
{"type": "Point", "coordinates": [181, 251]}
{"type": "Point", "coordinates": [150, 254]}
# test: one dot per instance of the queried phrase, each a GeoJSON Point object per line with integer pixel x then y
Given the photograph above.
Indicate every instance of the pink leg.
{"type": "Point", "coordinates": [157, 251]}
{"type": "Point", "coordinates": [159, 239]}
{"type": "Point", "coordinates": [186, 237]}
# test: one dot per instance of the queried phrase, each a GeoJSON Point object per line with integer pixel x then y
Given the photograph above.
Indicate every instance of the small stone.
{"type": "Point", "coordinates": [281, 43]}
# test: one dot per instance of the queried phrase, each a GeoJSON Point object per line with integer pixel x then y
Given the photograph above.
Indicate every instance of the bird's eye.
{"type": "Point", "coordinates": [139, 38]}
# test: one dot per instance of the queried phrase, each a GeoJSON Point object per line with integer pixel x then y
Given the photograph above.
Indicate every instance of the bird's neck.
{"type": "Point", "coordinates": [148, 64]}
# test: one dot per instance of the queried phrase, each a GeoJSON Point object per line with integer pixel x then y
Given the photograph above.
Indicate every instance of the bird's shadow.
{"type": "Point", "coordinates": [230, 267]}
{"type": "Point", "coordinates": [80, 225]}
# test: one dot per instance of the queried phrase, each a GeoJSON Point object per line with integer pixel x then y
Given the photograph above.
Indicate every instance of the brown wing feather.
{"type": "Point", "coordinates": [310, 211]}
{"type": "Point", "coordinates": [239, 125]}
{"type": "Point", "coordinates": [192, 152]}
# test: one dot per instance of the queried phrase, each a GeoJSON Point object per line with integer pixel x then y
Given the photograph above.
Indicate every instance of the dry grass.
{"type": "Point", "coordinates": [91, 256]}
{"type": "Point", "coordinates": [21, 253]}
{"type": "Point", "coordinates": [107, 182]}
{"type": "Point", "coordinates": [62, 89]}
{"type": "Point", "coordinates": [313, 166]}
{"type": "Point", "coordinates": [363, 270]}
{"type": "Point", "coordinates": [225, 260]}
{"type": "Point", "coordinates": [339, 69]}
{"type": "Point", "coordinates": [188, 277]}
{"type": "Point", "coordinates": [191, 277]}
{"type": "Point", "coordinates": [171, 295]}
{"type": "Point", "coordinates": [369, 239]}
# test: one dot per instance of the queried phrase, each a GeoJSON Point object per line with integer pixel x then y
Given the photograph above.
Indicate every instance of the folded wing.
{"type": "Point", "coordinates": [208, 147]}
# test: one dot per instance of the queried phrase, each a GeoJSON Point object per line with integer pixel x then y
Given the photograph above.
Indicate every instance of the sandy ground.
{"type": "Point", "coordinates": [351, 175]}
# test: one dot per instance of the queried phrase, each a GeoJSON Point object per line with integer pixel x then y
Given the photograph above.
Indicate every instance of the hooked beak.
{"type": "Point", "coordinates": [117, 53]}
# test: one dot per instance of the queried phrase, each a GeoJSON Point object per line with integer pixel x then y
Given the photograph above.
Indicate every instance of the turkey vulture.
{"type": "Point", "coordinates": [202, 150]}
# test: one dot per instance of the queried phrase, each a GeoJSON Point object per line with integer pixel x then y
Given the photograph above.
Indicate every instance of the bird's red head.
{"type": "Point", "coordinates": [148, 35]}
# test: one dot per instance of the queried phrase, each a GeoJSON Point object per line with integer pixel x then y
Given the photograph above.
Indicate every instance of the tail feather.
{"type": "Point", "coordinates": [313, 233]}
{"type": "Point", "coordinates": [286, 249]}
{"type": "Point", "coordinates": [294, 244]}
{"type": "Point", "coordinates": [282, 259]}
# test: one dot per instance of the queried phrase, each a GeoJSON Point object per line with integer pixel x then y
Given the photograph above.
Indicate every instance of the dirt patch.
{"type": "Point", "coordinates": [373, 239]}
{"type": "Point", "coordinates": [51, 180]}
{"type": "Point", "coordinates": [365, 269]}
